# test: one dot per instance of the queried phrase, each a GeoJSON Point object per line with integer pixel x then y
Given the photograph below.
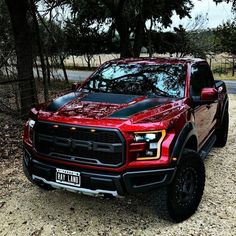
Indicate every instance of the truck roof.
{"type": "Point", "coordinates": [158, 60]}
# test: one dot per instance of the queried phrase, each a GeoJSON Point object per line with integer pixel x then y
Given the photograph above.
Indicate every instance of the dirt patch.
{"type": "Point", "coordinates": [27, 210]}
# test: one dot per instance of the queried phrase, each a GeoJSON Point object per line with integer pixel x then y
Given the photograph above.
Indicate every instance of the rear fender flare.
{"type": "Point", "coordinates": [225, 109]}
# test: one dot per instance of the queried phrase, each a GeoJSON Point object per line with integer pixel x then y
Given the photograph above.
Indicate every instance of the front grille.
{"type": "Point", "coordinates": [93, 146]}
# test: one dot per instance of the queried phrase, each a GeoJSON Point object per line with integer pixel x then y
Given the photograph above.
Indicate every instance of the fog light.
{"type": "Point", "coordinates": [152, 145]}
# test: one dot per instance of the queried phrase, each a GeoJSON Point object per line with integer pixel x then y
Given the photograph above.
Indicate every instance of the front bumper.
{"type": "Point", "coordinates": [98, 182]}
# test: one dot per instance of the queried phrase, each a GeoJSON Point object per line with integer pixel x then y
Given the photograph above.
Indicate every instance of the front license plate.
{"type": "Point", "coordinates": [68, 177]}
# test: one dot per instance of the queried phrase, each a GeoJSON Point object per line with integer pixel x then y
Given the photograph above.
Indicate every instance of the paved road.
{"type": "Point", "coordinates": [82, 75]}
{"type": "Point", "coordinates": [231, 86]}
{"type": "Point", "coordinates": [72, 74]}
{"type": "Point", "coordinates": [77, 75]}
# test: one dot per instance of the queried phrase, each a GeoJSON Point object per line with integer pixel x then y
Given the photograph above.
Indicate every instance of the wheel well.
{"type": "Point", "coordinates": [191, 143]}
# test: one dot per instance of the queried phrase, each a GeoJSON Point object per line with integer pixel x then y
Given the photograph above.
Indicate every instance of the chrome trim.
{"type": "Point", "coordinates": [97, 192]}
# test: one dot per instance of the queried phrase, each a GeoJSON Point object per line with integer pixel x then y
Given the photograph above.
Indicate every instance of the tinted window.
{"type": "Point", "coordinates": [201, 77]}
{"type": "Point", "coordinates": [140, 79]}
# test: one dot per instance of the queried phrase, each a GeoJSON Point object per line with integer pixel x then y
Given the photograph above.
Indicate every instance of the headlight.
{"type": "Point", "coordinates": [31, 124]}
{"type": "Point", "coordinates": [140, 137]}
{"type": "Point", "coordinates": [150, 143]}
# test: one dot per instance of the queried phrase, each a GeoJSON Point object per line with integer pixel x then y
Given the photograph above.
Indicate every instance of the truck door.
{"type": "Point", "coordinates": [204, 113]}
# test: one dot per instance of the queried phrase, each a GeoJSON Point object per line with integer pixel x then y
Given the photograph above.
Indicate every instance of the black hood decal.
{"type": "Point", "coordinates": [109, 98]}
{"type": "Point", "coordinates": [141, 106]}
{"type": "Point", "coordinates": [90, 97]}
{"type": "Point", "coordinates": [61, 101]}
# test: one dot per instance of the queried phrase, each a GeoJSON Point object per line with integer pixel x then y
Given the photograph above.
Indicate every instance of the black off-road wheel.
{"type": "Point", "coordinates": [185, 192]}
{"type": "Point", "coordinates": [41, 185]}
{"type": "Point", "coordinates": [222, 132]}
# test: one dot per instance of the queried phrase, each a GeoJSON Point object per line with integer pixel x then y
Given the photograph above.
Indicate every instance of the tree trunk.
{"type": "Point", "coordinates": [18, 11]}
{"type": "Point", "coordinates": [233, 67]}
{"type": "Point", "coordinates": [89, 62]}
{"type": "Point", "coordinates": [73, 58]}
{"type": "Point", "coordinates": [150, 44]}
{"type": "Point", "coordinates": [48, 69]}
{"type": "Point", "coordinates": [52, 67]}
{"type": "Point", "coordinates": [40, 50]}
{"type": "Point", "coordinates": [88, 59]}
{"type": "Point", "coordinates": [64, 69]}
{"type": "Point", "coordinates": [37, 68]}
{"type": "Point", "coordinates": [123, 30]}
{"type": "Point", "coordinates": [139, 35]}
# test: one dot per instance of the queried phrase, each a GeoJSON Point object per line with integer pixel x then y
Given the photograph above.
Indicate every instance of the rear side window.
{"type": "Point", "coordinates": [201, 77]}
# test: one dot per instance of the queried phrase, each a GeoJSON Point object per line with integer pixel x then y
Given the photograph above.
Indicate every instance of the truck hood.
{"type": "Point", "coordinates": [102, 105]}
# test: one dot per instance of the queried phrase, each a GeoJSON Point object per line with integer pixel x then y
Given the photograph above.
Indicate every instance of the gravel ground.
{"type": "Point", "coordinates": [27, 210]}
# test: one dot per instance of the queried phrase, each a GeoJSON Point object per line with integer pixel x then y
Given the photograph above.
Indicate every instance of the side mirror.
{"type": "Point", "coordinates": [209, 94]}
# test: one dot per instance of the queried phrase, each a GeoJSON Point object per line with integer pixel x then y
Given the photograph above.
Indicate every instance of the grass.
{"type": "Point", "coordinates": [218, 76]}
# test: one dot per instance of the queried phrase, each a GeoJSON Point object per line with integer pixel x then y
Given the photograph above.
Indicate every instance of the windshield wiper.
{"type": "Point", "coordinates": [161, 93]}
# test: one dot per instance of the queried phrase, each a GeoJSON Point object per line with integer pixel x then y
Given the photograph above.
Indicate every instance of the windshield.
{"type": "Point", "coordinates": [139, 79]}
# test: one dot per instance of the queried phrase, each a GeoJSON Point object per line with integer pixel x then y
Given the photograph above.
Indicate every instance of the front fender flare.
{"type": "Point", "coordinates": [186, 133]}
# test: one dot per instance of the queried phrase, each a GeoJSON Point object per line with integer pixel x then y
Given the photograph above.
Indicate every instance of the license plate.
{"type": "Point", "coordinates": [68, 177]}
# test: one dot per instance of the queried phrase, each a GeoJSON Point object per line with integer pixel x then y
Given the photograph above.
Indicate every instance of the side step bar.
{"type": "Point", "coordinates": [207, 147]}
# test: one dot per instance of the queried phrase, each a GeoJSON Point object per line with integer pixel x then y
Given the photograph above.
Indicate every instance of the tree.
{"type": "Point", "coordinates": [85, 39]}
{"type": "Point", "coordinates": [226, 37]}
{"type": "Point", "coordinates": [21, 27]}
{"type": "Point", "coordinates": [130, 16]}
{"type": "Point", "coordinates": [194, 41]}
{"type": "Point", "coordinates": [127, 17]}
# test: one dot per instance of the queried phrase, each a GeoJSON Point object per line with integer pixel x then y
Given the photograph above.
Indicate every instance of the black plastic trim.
{"type": "Point", "coordinates": [157, 178]}
{"type": "Point", "coordinates": [127, 182]}
{"type": "Point", "coordinates": [186, 133]}
{"type": "Point", "coordinates": [225, 109]}
{"type": "Point", "coordinates": [95, 146]}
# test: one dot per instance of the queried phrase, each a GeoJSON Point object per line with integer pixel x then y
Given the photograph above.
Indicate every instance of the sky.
{"type": "Point", "coordinates": [216, 13]}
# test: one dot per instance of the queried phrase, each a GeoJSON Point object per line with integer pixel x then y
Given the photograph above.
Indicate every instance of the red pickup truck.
{"type": "Point", "coordinates": [134, 125]}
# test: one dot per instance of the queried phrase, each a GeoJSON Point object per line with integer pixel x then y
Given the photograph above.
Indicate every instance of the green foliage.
{"type": "Point", "coordinates": [181, 42]}
{"type": "Point", "coordinates": [83, 38]}
{"type": "Point", "coordinates": [226, 37]}
{"type": "Point", "coordinates": [53, 37]}
{"type": "Point", "coordinates": [128, 17]}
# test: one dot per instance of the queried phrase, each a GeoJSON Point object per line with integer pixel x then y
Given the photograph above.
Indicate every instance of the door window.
{"type": "Point", "coordinates": [201, 77]}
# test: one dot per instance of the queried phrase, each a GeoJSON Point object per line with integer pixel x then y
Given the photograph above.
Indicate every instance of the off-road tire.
{"type": "Point", "coordinates": [29, 177]}
{"type": "Point", "coordinates": [185, 192]}
{"type": "Point", "coordinates": [222, 132]}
